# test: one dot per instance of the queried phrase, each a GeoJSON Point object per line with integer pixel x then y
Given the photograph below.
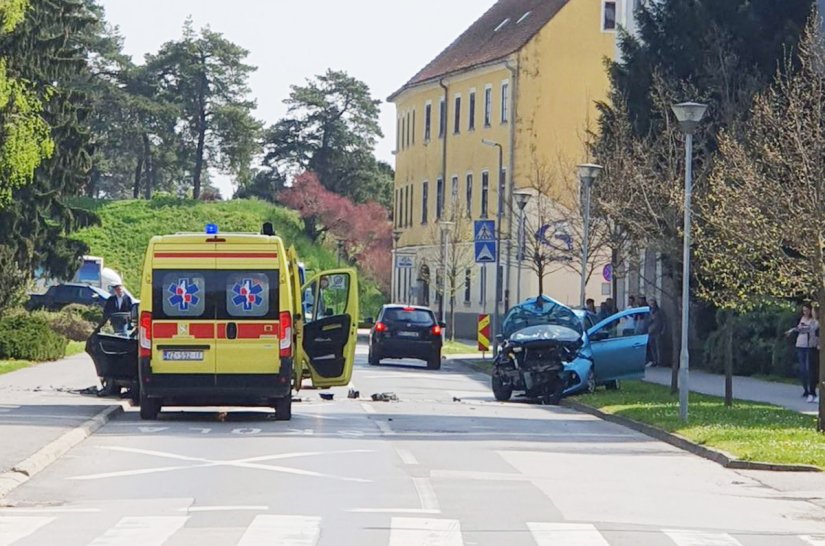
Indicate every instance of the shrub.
{"type": "Point", "coordinates": [30, 337]}
{"type": "Point", "coordinates": [89, 313]}
{"type": "Point", "coordinates": [71, 324]}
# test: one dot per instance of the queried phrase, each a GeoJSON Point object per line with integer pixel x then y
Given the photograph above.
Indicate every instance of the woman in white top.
{"type": "Point", "coordinates": [806, 341]}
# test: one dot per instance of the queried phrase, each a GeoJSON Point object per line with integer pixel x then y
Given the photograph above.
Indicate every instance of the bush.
{"type": "Point", "coordinates": [70, 323]}
{"type": "Point", "coordinates": [89, 313]}
{"type": "Point", "coordinates": [759, 342]}
{"type": "Point", "coordinates": [30, 337]}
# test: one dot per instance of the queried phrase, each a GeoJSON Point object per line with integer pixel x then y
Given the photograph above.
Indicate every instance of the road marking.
{"type": "Point", "coordinates": [224, 509]}
{"type": "Point", "coordinates": [13, 528]}
{"type": "Point", "coordinates": [699, 538]}
{"type": "Point", "coordinates": [813, 540]}
{"type": "Point", "coordinates": [569, 534]}
{"type": "Point", "coordinates": [384, 428]}
{"type": "Point", "coordinates": [406, 456]}
{"type": "Point", "coordinates": [393, 511]}
{"type": "Point", "coordinates": [283, 531]}
{"type": "Point", "coordinates": [426, 494]}
{"type": "Point", "coordinates": [368, 408]}
{"type": "Point", "coordinates": [425, 531]}
{"type": "Point", "coordinates": [200, 462]}
{"type": "Point", "coordinates": [152, 430]}
{"type": "Point", "coordinates": [146, 531]}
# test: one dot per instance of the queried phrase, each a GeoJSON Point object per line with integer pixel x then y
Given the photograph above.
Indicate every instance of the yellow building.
{"type": "Point", "coordinates": [523, 80]}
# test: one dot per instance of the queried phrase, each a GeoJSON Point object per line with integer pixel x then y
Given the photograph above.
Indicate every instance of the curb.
{"type": "Point", "coordinates": [23, 471]}
{"type": "Point", "coordinates": [715, 455]}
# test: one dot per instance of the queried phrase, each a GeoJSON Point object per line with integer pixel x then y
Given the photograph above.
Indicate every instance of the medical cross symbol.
{"type": "Point", "coordinates": [247, 294]}
{"type": "Point", "coordinates": [184, 294]}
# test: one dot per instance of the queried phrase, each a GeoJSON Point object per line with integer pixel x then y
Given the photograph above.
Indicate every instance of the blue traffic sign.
{"type": "Point", "coordinates": [485, 252]}
{"type": "Point", "coordinates": [485, 231]}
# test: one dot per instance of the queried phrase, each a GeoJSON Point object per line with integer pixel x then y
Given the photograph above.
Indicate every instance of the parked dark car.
{"type": "Point", "coordinates": [113, 347]}
{"type": "Point", "coordinates": [406, 332]}
{"type": "Point", "coordinates": [60, 295]}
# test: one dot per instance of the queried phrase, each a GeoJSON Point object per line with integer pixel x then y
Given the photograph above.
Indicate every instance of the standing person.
{"type": "Point", "coordinates": [656, 332]}
{"type": "Point", "coordinates": [631, 302]}
{"type": "Point", "coordinates": [805, 341]}
{"type": "Point", "coordinates": [119, 302]}
{"type": "Point", "coordinates": [590, 305]}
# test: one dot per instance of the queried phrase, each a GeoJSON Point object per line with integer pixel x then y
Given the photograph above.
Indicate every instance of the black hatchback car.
{"type": "Point", "coordinates": [406, 332]}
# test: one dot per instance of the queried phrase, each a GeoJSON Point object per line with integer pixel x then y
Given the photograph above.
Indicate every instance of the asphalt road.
{"type": "Point", "coordinates": [445, 465]}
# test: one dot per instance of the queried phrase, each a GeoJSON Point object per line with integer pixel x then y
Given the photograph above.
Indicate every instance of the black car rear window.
{"type": "Point", "coordinates": [414, 316]}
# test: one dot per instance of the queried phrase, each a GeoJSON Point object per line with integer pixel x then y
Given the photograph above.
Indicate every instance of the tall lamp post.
{"type": "Point", "coordinates": [445, 233]}
{"type": "Point", "coordinates": [689, 115]}
{"type": "Point", "coordinates": [522, 197]}
{"type": "Point", "coordinates": [588, 173]}
{"type": "Point", "coordinates": [396, 272]}
{"type": "Point", "coordinates": [499, 213]}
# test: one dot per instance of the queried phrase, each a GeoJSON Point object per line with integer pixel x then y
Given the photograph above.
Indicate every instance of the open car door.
{"type": "Point", "coordinates": [331, 327]}
{"type": "Point", "coordinates": [298, 317]}
{"type": "Point", "coordinates": [618, 348]}
{"type": "Point", "coordinates": [113, 347]}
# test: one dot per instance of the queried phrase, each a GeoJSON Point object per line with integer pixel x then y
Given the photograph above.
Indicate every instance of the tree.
{"type": "Point", "coordinates": [205, 76]}
{"type": "Point", "coordinates": [25, 136]}
{"type": "Point", "coordinates": [331, 129]}
{"type": "Point", "coordinates": [763, 231]}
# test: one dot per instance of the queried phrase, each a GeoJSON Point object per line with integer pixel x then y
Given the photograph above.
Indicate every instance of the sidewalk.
{"type": "Point", "coordinates": [744, 388]}
{"type": "Point", "coordinates": [40, 404]}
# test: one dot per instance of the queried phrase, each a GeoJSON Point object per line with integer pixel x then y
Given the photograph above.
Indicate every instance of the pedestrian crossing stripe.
{"type": "Point", "coordinates": [298, 530]}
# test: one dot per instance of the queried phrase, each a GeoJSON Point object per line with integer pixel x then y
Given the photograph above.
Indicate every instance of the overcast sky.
{"type": "Point", "coordinates": [382, 42]}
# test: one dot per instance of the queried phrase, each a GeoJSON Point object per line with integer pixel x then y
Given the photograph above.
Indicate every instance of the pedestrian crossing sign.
{"type": "Point", "coordinates": [485, 252]}
{"type": "Point", "coordinates": [485, 231]}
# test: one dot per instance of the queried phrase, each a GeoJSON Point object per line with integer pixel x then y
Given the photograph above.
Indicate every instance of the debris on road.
{"type": "Point", "coordinates": [385, 397]}
{"type": "Point", "coordinates": [326, 395]}
{"type": "Point", "coordinates": [353, 394]}
{"type": "Point", "coordinates": [456, 399]}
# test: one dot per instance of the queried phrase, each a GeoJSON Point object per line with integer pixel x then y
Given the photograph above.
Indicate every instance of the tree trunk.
{"type": "Point", "coordinates": [672, 303]}
{"type": "Point", "coordinates": [729, 327]}
{"type": "Point", "coordinates": [150, 168]}
{"type": "Point", "coordinates": [138, 175]}
{"type": "Point", "coordinates": [196, 190]}
{"type": "Point", "coordinates": [614, 260]}
{"type": "Point", "coordinates": [821, 421]}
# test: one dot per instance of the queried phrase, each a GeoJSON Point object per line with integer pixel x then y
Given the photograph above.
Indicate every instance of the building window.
{"type": "Point", "coordinates": [410, 202]}
{"type": "Point", "coordinates": [502, 185]}
{"type": "Point", "coordinates": [407, 132]}
{"type": "Point", "coordinates": [505, 102]}
{"type": "Point", "coordinates": [488, 106]}
{"type": "Point", "coordinates": [424, 196]}
{"type": "Point", "coordinates": [471, 124]}
{"type": "Point", "coordinates": [398, 133]}
{"type": "Point", "coordinates": [467, 277]}
{"type": "Point", "coordinates": [457, 115]}
{"type": "Point", "coordinates": [398, 218]}
{"type": "Point", "coordinates": [469, 196]}
{"type": "Point", "coordinates": [439, 198]}
{"type": "Point", "coordinates": [609, 15]}
{"type": "Point", "coordinates": [500, 283]}
{"type": "Point", "coordinates": [454, 197]}
{"type": "Point", "coordinates": [442, 118]}
{"type": "Point", "coordinates": [485, 193]}
{"type": "Point", "coordinates": [413, 129]}
{"type": "Point", "coordinates": [428, 123]}
{"type": "Point", "coordinates": [406, 193]}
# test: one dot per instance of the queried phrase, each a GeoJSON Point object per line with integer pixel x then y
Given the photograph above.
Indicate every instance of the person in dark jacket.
{"type": "Point", "coordinates": [119, 302]}
{"type": "Point", "coordinates": [656, 332]}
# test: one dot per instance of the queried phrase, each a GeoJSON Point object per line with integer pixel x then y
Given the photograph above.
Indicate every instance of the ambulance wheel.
{"type": "Point", "coordinates": [149, 407]}
{"type": "Point", "coordinates": [283, 408]}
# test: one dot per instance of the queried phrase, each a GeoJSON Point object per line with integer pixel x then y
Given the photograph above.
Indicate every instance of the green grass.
{"type": "Point", "coordinates": [75, 348]}
{"type": "Point", "coordinates": [458, 348]}
{"type": "Point", "coordinates": [751, 431]}
{"type": "Point", "coordinates": [127, 226]}
{"type": "Point", "coordinates": [7, 366]}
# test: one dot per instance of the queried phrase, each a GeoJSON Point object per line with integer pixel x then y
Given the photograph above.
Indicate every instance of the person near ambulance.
{"type": "Point", "coordinates": [118, 302]}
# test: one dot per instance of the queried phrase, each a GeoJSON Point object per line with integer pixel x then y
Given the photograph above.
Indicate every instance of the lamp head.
{"type": "Point", "coordinates": [522, 197]}
{"type": "Point", "coordinates": [689, 114]}
{"type": "Point", "coordinates": [588, 172]}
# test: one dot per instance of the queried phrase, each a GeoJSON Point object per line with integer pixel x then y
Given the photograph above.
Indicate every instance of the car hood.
{"type": "Point", "coordinates": [545, 333]}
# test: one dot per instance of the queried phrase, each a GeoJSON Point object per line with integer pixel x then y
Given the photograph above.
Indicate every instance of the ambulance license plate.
{"type": "Point", "coordinates": [182, 355]}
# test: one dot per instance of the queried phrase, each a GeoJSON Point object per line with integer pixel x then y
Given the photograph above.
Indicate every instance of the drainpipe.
{"type": "Point", "coordinates": [514, 72]}
{"type": "Point", "coordinates": [443, 310]}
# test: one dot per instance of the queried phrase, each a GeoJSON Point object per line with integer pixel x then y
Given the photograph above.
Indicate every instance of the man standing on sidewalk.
{"type": "Point", "coordinates": [656, 332]}
{"type": "Point", "coordinates": [119, 302]}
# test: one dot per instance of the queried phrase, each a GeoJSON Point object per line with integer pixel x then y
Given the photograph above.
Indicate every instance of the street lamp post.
{"type": "Point", "coordinates": [689, 115]}
{"type": "Point", "coordinates": [494, 319]}
{"type": "Point", "coordinates": [396, 272]}
{"type": "Point", "coordinates": [588, 173]}
{"type": "Point", "coordinates": [522, 197]}
{"type": "Point", "coordinates": [445, 232]}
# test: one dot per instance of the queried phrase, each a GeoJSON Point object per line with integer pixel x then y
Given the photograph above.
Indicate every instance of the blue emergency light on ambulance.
{"type": "Point", "coordinates": [211, 229]}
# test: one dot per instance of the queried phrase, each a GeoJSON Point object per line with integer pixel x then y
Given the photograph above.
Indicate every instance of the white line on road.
{"type": "Point", "coordinates": [699, 538]}
{"type": "Point", "coordinates": [569, 534]}
{"type": "Point", "coordinates": [224, 509]}
{"type": "Point", "coordinates": [283, 531]}
{"type": "Point", "coordinates": [13, 528]}
{"type": "Point", "coordinates": [406, 456]}
{"type": "Point", "coordinates": [426, 494]}
{"type": "Point", "coordinates": [146, 531]}
{"type": "Point", "coordinates": [425, 531]}
{"type": "Point", "coordinates": [368, 408]}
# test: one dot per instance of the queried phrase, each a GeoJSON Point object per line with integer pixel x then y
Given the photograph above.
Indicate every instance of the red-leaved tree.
{"type": "Point", "coordinates": [365, 229]}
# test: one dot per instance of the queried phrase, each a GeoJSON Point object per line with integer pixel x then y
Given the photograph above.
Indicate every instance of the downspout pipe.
{"type": "Point", "coordinates": [441, 82]}
{"type": "Point", "coordinates": [514, 73]}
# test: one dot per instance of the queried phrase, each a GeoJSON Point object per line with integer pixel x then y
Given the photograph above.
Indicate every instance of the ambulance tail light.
{"type": "Point", "coordinates": [286, 334]}
{"type": "Point", "coordinates": [145, 335]}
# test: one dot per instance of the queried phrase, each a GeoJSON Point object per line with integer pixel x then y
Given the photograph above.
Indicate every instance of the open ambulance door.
{"type": "Point", "coordinates": [298, 318]}
{"type": "Point", "coordinates": [330, 327]}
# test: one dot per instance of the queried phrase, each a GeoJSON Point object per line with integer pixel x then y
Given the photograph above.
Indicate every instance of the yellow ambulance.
{"type": "Point", "coordinates": [224, 320]}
